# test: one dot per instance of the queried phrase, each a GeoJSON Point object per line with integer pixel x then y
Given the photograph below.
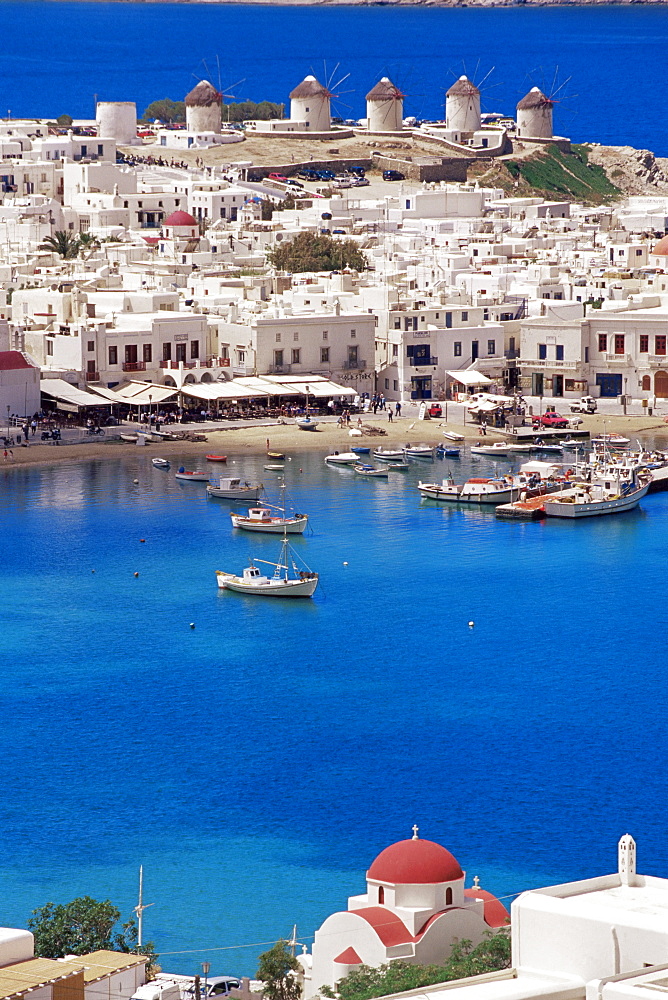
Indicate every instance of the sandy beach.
{"type": "Point", "coordinates": [287, 438]}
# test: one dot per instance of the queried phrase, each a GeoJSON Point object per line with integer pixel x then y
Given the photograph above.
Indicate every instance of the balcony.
{"type": "Point", "coordinates": [354, 365]}
{"type": "Point", "coordinates": [134, 366]}
{"type": "Point", "coordinates": [544, 363]}
{"type": "Point", "coordinates": [657, 360]}
{"type": "Point", "coordinates": [623, 359]}
{"type": "Point", "coordinates": [421, 362]}
{"type": "Point", "coordinates": [92, 376]}
{"type": "Point", "coordinates": [175, 365]}
{"type": "Point", "coordinates": [279, 369]}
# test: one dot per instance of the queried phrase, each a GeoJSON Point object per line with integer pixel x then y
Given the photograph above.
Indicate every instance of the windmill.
{"type": "Point", "coordinates": [535, 110]}
{"type": "Point", "coordinates": [205, 95]}
{"type": "Point", "coordinates": [385, 107]}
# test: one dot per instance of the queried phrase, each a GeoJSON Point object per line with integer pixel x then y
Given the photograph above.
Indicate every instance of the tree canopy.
{"type": "Point", "coordinates": [310, 252]}
{"type": "Point", "coordinates": [165, 110]}
{"type": "Point", "coordinates": [67, 245]}
{"type": "Point", "coordinates": [275, 968]}
{"type": "Point", "coordinates": [81, 926]}
{"type": "Point", "coordinates": [490, 955]}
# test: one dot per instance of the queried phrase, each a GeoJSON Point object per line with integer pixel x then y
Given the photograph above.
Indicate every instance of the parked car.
{"type": "Point", "coordinates": [216, 986]}
{"type": "Point", "coordinates": [293, 183]}
{"type": "Point", "coordinates": [393, 175]}
{"type": "Point", "coordinates": [359, 171]}
{"type": "Point", "coordinates": [325, 175]}
{"type": "Point", "coordinates": [278, 177]}
{"type": "Point", "coordinates": [359, 182]}
{"type": "Point", "coordinates": [586, 404]}
{"type": "Point", "coordinates": [343, 182]}
{"type": "Point", "coordinates": [550, 419]}
{"type": "Point", "coordinates": [435, 410]}
{"type": "Point", "coordinates": [308, 175]}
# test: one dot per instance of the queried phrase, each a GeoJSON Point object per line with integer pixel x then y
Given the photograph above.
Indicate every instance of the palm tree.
{"type": "Point", "coordinates": [88, 244]}
{"type": "Point", "coordinates": [65, 244]}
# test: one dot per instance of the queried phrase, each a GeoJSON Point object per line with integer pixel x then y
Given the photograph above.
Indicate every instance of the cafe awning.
{"type": "Point", "coordinates": [69, 394]}
{"type": "Point", "coordinates": [470, 377]}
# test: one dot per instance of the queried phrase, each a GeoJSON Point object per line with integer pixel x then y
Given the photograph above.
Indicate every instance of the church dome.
{"type": "Point", "coordinates": [415, 862]}
{"type": "Point", "coordinates": [661, 248]}
{"type": "Point", "coordinates": [180, 219]}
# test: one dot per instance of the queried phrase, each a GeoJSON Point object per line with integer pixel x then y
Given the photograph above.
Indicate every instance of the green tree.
{"type": "Point", "coordinates": [64, 121]}
{"type": "Point", "coordinates": [244, 110]}
{"type": "Point", "coordinates": [165, 110]}
{"type": "Point", "coordinates": [309, 252]}
{"type": "Point", "coordinates": [82, 926]}
{"type": "Point", "coordinates": [65, 244]}
{"type": "Point", "coordinates": [88, 244]}
{"type": "Point", "coordinates": [490, 955]}
{"type": "Point", "coordinates": [275, 969]}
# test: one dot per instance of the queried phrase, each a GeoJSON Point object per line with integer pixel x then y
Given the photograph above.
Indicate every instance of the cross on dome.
{"type": "Point", "coordinates": [476, 882]}
{"type": "Point", "coordinates": [415, 831]}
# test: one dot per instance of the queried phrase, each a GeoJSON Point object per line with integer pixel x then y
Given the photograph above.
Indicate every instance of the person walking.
{"type": "Point", "coordinates": [389, 414]}
{"type": "Point", "coordinates": [398, 408]}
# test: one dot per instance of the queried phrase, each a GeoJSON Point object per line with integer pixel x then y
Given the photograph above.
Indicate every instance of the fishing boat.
{"type": "Point", "coordinates": [573, 444]}
{"type": "Point", "coordinates": [129, 438]}
{"type": "Point", "coordinates": [611, 440]}
{"type": "Point", "coordinates": [274, 467]}
{"type": "Point", "coordinates": [343, 458]}
{"type": "Point", "coordinates": [445, 451]}
{"type": "Point", "coordinates": [160, 463]}
{"type": "Point", "coordinates": [389, 454]}
{"type": "Point", "coordinates": [477, 491]}
{"type": "Point", "coordinates": [452, 436]}
{"type": "Point", "coordinates": [216, 458]}
{"type": "Point", "coordinates": [370, 471]}
{"type": "Point", "coordinates": [235, 489]}
{"type": "Point", "coordinates": [593, 499]}
{"type": "Point", "coordinates": [499, 449]}
{"type": "Point", "coordinates": [554, 449]}
{"type": "Point", "coordinates": [275, 454]}
{"type": "Point", "coordinates": [306, 423]}
{"type": "Point", "coordinates": [287, 581]}
{"type": "Point", "coordinates": [265, 520]}
{"type": "Point", "coordinates": [418, 451]}
{"type": "Point", "coordinates": [361, 451]}
{"type": "Point", "coordinates": [193, 476]}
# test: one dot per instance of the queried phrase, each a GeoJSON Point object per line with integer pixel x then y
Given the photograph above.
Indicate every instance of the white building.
{"type": "Point", "coordinates": [415, 906]}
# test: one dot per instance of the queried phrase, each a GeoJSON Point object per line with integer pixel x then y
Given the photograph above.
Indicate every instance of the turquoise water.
{"type": "Point", "coordinates": [63, 54]}
{"type": "Point", "coordinates": [256, 764]}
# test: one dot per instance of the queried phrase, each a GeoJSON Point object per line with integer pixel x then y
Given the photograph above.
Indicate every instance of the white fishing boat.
{"type": "Point", "coordinates": [611, 440]}
{"type": "Point", "coordinates": [287, 580]}
{"type": "Point", "coordinates": [499, 449]}
{"type": "Point", "coordinates": [343, 458]}
{"type": "Point", "coordinates": [266, 520]}
{"type": "Point", "coordinates": [418, 451]}
{"type": "Point", "coordinates": [160, 463]}
{"type": "Point", "coordinates": [452, 436]}
{"type": "Point", "coordinates": [193, 476]}
{"type": "Point", "coordinates": [593, 499]}
{"type": "Point", "coordinates": [306, 423]}
{"type": "Point", "coordinates": [573, 444]}
{"type": "Point", "coordinates": [552, 449]}
{"type": "Point", "coordinates": [370, 471]}
{"type": "Point", "coordinates": [476, 491]}
{"type": "Point", "coordinates": [235, 489]}
{"type": "Point", "coordinates": [275, 467]}
{"type": "Point", "coordinates": [389, 454]}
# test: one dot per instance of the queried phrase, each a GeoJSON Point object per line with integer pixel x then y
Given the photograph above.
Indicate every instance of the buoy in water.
{"type": "Point", "coordinates": [345, 564]}
{"type": "Point", "coordinates": [471, 624]}
{"type": "Point", "coordinates": [136, 574]}
{"type": "Point", "coordinates": [192, 624]}
{"type": "Point", "coordinates": [142, 539]}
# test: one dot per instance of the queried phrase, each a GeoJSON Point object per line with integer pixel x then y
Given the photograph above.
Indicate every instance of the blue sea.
{"type": "Point", "coordinates": [257, 763]}
{"type": "Point", "coordinates": [605, 65]}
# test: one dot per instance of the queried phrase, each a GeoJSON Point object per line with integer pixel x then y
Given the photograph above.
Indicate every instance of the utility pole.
{"type": "Point", "coordinates": [141, 906]}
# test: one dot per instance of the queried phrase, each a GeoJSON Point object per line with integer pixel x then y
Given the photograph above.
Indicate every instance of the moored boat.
{"type": "Point", "coordinates": [160, 463]}
{"type": "Point", "coordinates": [418, 451]}
{"type": "Point", "coordinates": [306, 423]}
{"type": "Point", "coordinates": [452, 436]}
{"type": "Point", "coordinates": [343, 458]}
{"type": "Point", "coordinates": [275, 454]}
{"type": "Point", "coordinates": [235, 489]}
{"type": "Point", "coordinates": [216, 458]}
{"type": "Point", "coordinates": [593, 499]}
{"type": "Point", "coordinates": [287, 580]}
{"type": "Point", "coordinates": [361, 451]}
{"type": "Point", "coordinates": [370, 470]}
{"type": "Point", "coordinates": [264, 520]}
{"type": "Point", "coordinates": [193, 476]}
{"type": "Point", "coordinates": [477, 491]}
{"type": "Point", "coordinates": [389, 454]}
{"type": "Point", "coordinates": [129, 438]}
{"type": "Point", "coordinates": [611, 440]}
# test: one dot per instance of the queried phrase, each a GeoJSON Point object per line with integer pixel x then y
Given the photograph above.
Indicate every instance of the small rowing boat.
{"type": "Point", "coordinates": [160, 463]}
{"type": "Point", "coordinates": [193, 476]}
{"type": "Point", "coordinates": [216, 458]}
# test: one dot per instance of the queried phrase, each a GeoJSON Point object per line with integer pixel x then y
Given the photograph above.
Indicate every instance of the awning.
{"type": "Point", "coordinates": [284, 385]}
{"type": "Point", "coordinates": [266, 386]}
{"type": "Point", "coordinates": [64, 391]}
{"type": "Point", "coordinates": [321, 388]}
{"type": "Point", "coordinates": [469, 377]}
{"type": "Point", "coordinates": [211, 391]}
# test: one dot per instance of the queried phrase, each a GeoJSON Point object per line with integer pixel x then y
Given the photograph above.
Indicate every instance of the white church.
{"type": "Point", "coordinates": [415, 906]}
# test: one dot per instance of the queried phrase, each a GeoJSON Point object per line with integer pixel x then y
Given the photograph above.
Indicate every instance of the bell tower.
{"type": "Point", "coordinates": [626, 853]}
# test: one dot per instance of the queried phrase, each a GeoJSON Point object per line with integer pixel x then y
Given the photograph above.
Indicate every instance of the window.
{"type": "Point", "coordinates": [295, 336]}
{"type": "Point", "coordinates": [395, 385]}
{"type": "Point", "coordinates": [395, 350]}
{"type": "Point", "coordinates": [49, 348]}
{"type": "Point", "coordinates": [166, 352]}
{"type": "Point", "coordinates": [397, 322]}
{"type": "Point", "coordinates": [91, 345]}
{"type": "Point", "coordinates": [638, 253]}
{"type": "Point", "coordinates": [619, 343]}
{"type": "Point", "coordinates": [457, 348]}
{"type": "Point", "coordinates": [325, 335]}
{"type": "Point", "coordinates": [387, 383]}
{"type": "Point", "coordinates": [324, 355]}
{"type": "Point", "coordinates": [90, 367]}
{"type": "Point", "coordinates": [180, 352]}
{"type": "Point", "coordinates": [194, 349]}
{"type": "Point", "coordinates": [491, 347]}
{"type": "Point", "coordinates": [542, 352]}
{"type": "Point", "coordinates": [644, 343]}
{"type": "Point", "coordinates": [646, 383]}
{"type": "Point", "coordinates": [660, 344]}
{"type": "Point", "coordinates": [353, 334]}
{"type": "Point", "coordinates": [278, 359]}
{"type": "Point", "coordinates": [242, 357]}
{"type": "Point", "coordinates": [465, 317]}
{"type": "Point", "coordinates": [131, 354]}
{"type": "Point", "coordinates": [603, 343]}
{"type": "Point", "coordinates": [352, 356]}
{"type": "Point", "coordinates": [278, 338]}
{"type": "Point", "coordinates": [296, 354]}
{"type": "Point", "coordinates": [148, 352]}
{"type": "Point", "coordinates": [559, 352]}
{"type": "Point", "coordinates": [113, 355]}
{"type": "Point", "coordinates": [381, 895]}
{"type": "Point", "coordinates": [100, 150]}
{"type": "Point", "coordinates": [586, 354]}
{"type": "Point", "coordinates": [448, 896]}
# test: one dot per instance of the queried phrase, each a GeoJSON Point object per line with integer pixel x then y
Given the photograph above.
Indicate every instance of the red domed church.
{"type": "Point", "coordinates": [414, 907]}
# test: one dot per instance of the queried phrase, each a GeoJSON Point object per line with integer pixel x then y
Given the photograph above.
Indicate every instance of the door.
{"type": "Point", "coordinates": [661, 385]}
{"type": "Point", "coordinates": [474, 350]}
{"type": "Point", "coordinates": [611, 385]}
{"type": "Point", "coordinates": [180, 352]}
{"type": "Point", "coordinates": [537, 384]}
{"type": "Point", "coordinates": [557, 385]}
{"type": "Point", "coordinates": [421, 388]}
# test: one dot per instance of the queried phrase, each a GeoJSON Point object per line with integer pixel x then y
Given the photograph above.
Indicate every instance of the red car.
{"type": "Point", "coordinates": [435, 410]}
{"type": "Point", "coordinates": [550, 419]}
